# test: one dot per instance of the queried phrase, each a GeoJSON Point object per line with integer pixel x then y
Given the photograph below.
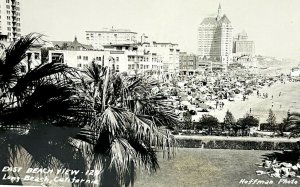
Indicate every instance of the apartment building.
{"type": "Point", "coordinates": [10, 21]}
{"type": "Point", "coordinates": [110, 36]}
{"type": "Point", "coordinates": [243, 49]}
{"type": "Point", "coordinates": [168, 53]}
{"type": "Point", "coordinates": [124, 57]}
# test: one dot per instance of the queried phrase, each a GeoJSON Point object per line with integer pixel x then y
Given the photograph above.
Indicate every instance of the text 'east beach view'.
{"type": "Point", "coordinates": [155, 93]}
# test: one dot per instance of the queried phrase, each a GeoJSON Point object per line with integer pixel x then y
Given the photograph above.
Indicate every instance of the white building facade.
{"type": "Point", "coordinates": [168, 53]}
{"type": "Point", "coordinates": [124, 58]}
{"type": "Point", "coordinates": [112, 36]}
{"type": "Point", "coordinates": [10, 21]}
{"type": "Point", "coordinates": [295, 72]}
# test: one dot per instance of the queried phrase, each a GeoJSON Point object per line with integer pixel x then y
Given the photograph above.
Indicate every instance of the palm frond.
{"type": "Point", "coordinates": [45, 71]}
{"type": "Point", "coordinates": [14, 54]}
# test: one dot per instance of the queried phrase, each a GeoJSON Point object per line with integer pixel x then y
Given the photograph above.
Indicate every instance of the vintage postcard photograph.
{"type": "Point", "coordinates": [149, 93]}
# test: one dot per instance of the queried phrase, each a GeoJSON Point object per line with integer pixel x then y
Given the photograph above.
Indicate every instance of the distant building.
{"type": "Point", "coordinates": [295, 72]}
{"type": "Point", "coordinates": [10, 25]}
{"type": "Point", "coordinates": [33, 56]}
{"type": "Point", "coordinates": [169, 54]}
{"type": "Point", "coordinates": [135, 59]}
{"type": "Point", "coordinates": [215, 39]}
{"type": "Point", "coordinates": [78, 58]}
{"type": "Point", "coordinates": [243, 49]}
{"type": "Point", "coordinates": [71, 45]}
{"type": "Point", "coordinates": [110, 36]}
{"type": "Point", "coordinates": [187, 63]}
{"type": "Point", "coordinates": [124, 57]}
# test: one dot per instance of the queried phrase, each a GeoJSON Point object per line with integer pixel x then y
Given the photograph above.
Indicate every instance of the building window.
{"type": "Point", "coordinates": [23, 69]}
{"type": "Point", "coordinates": [36, 56]}
{"type": "Point", "coordinates": [117, 59]}
{"type": "Point", "coordinates": [85, 58]}
{"type": "Point", "coordinates": [117, 67]}
{"type": "Point", "coordinates": [79, 57]}
{"type": "Point", "coordinates": [79, 65]}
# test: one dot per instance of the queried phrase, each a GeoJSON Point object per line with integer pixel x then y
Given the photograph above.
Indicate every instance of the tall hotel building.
{"type": "Point", "coordinates": [215, 39]}
{"type": "Point", "coordinates": [110, 36]}
{"type": "Point", "coordinates": [10, 26]}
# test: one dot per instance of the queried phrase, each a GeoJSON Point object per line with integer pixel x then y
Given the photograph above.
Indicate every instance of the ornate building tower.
{"type": "Point", "coordinates": [215, 39]}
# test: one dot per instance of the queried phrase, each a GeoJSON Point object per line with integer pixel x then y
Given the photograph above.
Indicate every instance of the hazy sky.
{"type": "Point", "coordinates": [274, 25]}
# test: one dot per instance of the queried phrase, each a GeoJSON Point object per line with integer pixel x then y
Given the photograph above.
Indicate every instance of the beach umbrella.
{"type": "Point", "coordinates": [203, 106]}
{"type": "Point", "coordinates": [185, 103]}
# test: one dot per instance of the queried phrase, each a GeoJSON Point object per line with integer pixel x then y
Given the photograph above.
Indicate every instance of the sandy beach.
{"type": "Point", "coordinates": [288, 100]}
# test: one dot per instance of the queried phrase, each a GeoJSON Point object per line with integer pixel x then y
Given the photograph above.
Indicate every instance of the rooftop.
{"type": "Point", "coordinates": [69, 45]}
{"type": "Point", "coordinates": [164, 43]}
{"type": "Point", "coordinates": [111, 31]}
{"type": "Point", "coordinates": [214, 21]}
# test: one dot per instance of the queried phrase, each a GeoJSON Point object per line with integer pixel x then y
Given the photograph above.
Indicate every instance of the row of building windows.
{"type": "Point", "coordinates": [141, 59]}
{"type": "Point", "coordinates": [83, 57]}
{"type": "Point", "coordinates": [33, 56]}
{"type": "Point", "coordinates": [110, 34]}
{"type": "Point", "coordinates": [9, 18]}
{"type": "Point", "coordinates": [97, 58]}
{"type": "Point", "coordinates": [86, 65]}
{"type": "Point", "coordinates": [133, 58]}
{"type": "Point", "coordinates": [132, 66]}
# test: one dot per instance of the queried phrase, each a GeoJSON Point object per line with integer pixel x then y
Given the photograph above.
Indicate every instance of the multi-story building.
{"type": "Point", "coordinates": [168, 53]}
{"type": "Point", "coordinates": [135, 60]}
{"type": "Point", "coordinates": [78, 58]}
{"type": "Point", "coordinates": [187, 63]}
{"type": "Point", "coordinates": [110, 36]}
{"type": "Point", "coordinates": [124, 57]}
{"type": "Point", "coordinates": [215, 39]}
{"type": "Point", "coordinates": [10, 26]}
{"type": "Point", "coordinates": [191, 64]}
{"type": "Point", "coordinates": [243, 49]}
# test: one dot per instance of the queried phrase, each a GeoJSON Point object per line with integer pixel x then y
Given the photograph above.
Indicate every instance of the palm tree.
{"type": "Point", "coordinates": [293, 121]}
{"type": "Point", "coordinates": [129, 125]}
{"type": "Point", "coordinates": [294, 124]}
{"type": "Point", "coordinates": [103, 120]}
{"type": "Point", "coordinates": [41, 104]}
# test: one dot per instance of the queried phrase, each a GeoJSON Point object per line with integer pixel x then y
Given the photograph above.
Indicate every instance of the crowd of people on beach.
{"type": "Point", "coordinates": [276, 169]}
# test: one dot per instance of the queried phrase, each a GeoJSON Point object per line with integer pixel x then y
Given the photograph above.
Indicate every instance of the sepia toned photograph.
{"type": "Point", "coordinates": [149, 93]}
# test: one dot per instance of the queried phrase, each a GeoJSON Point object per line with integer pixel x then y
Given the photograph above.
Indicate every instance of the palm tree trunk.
{"type": "Point", "coordinates": [105, 88]}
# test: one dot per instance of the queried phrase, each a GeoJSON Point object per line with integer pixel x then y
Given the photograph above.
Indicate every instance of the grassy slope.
{"type": "Point", "coordinates": [204, 167]}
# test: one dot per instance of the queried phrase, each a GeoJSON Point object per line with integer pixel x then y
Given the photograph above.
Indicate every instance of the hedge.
{"type": "Point", "coordinates": [237, 144]}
